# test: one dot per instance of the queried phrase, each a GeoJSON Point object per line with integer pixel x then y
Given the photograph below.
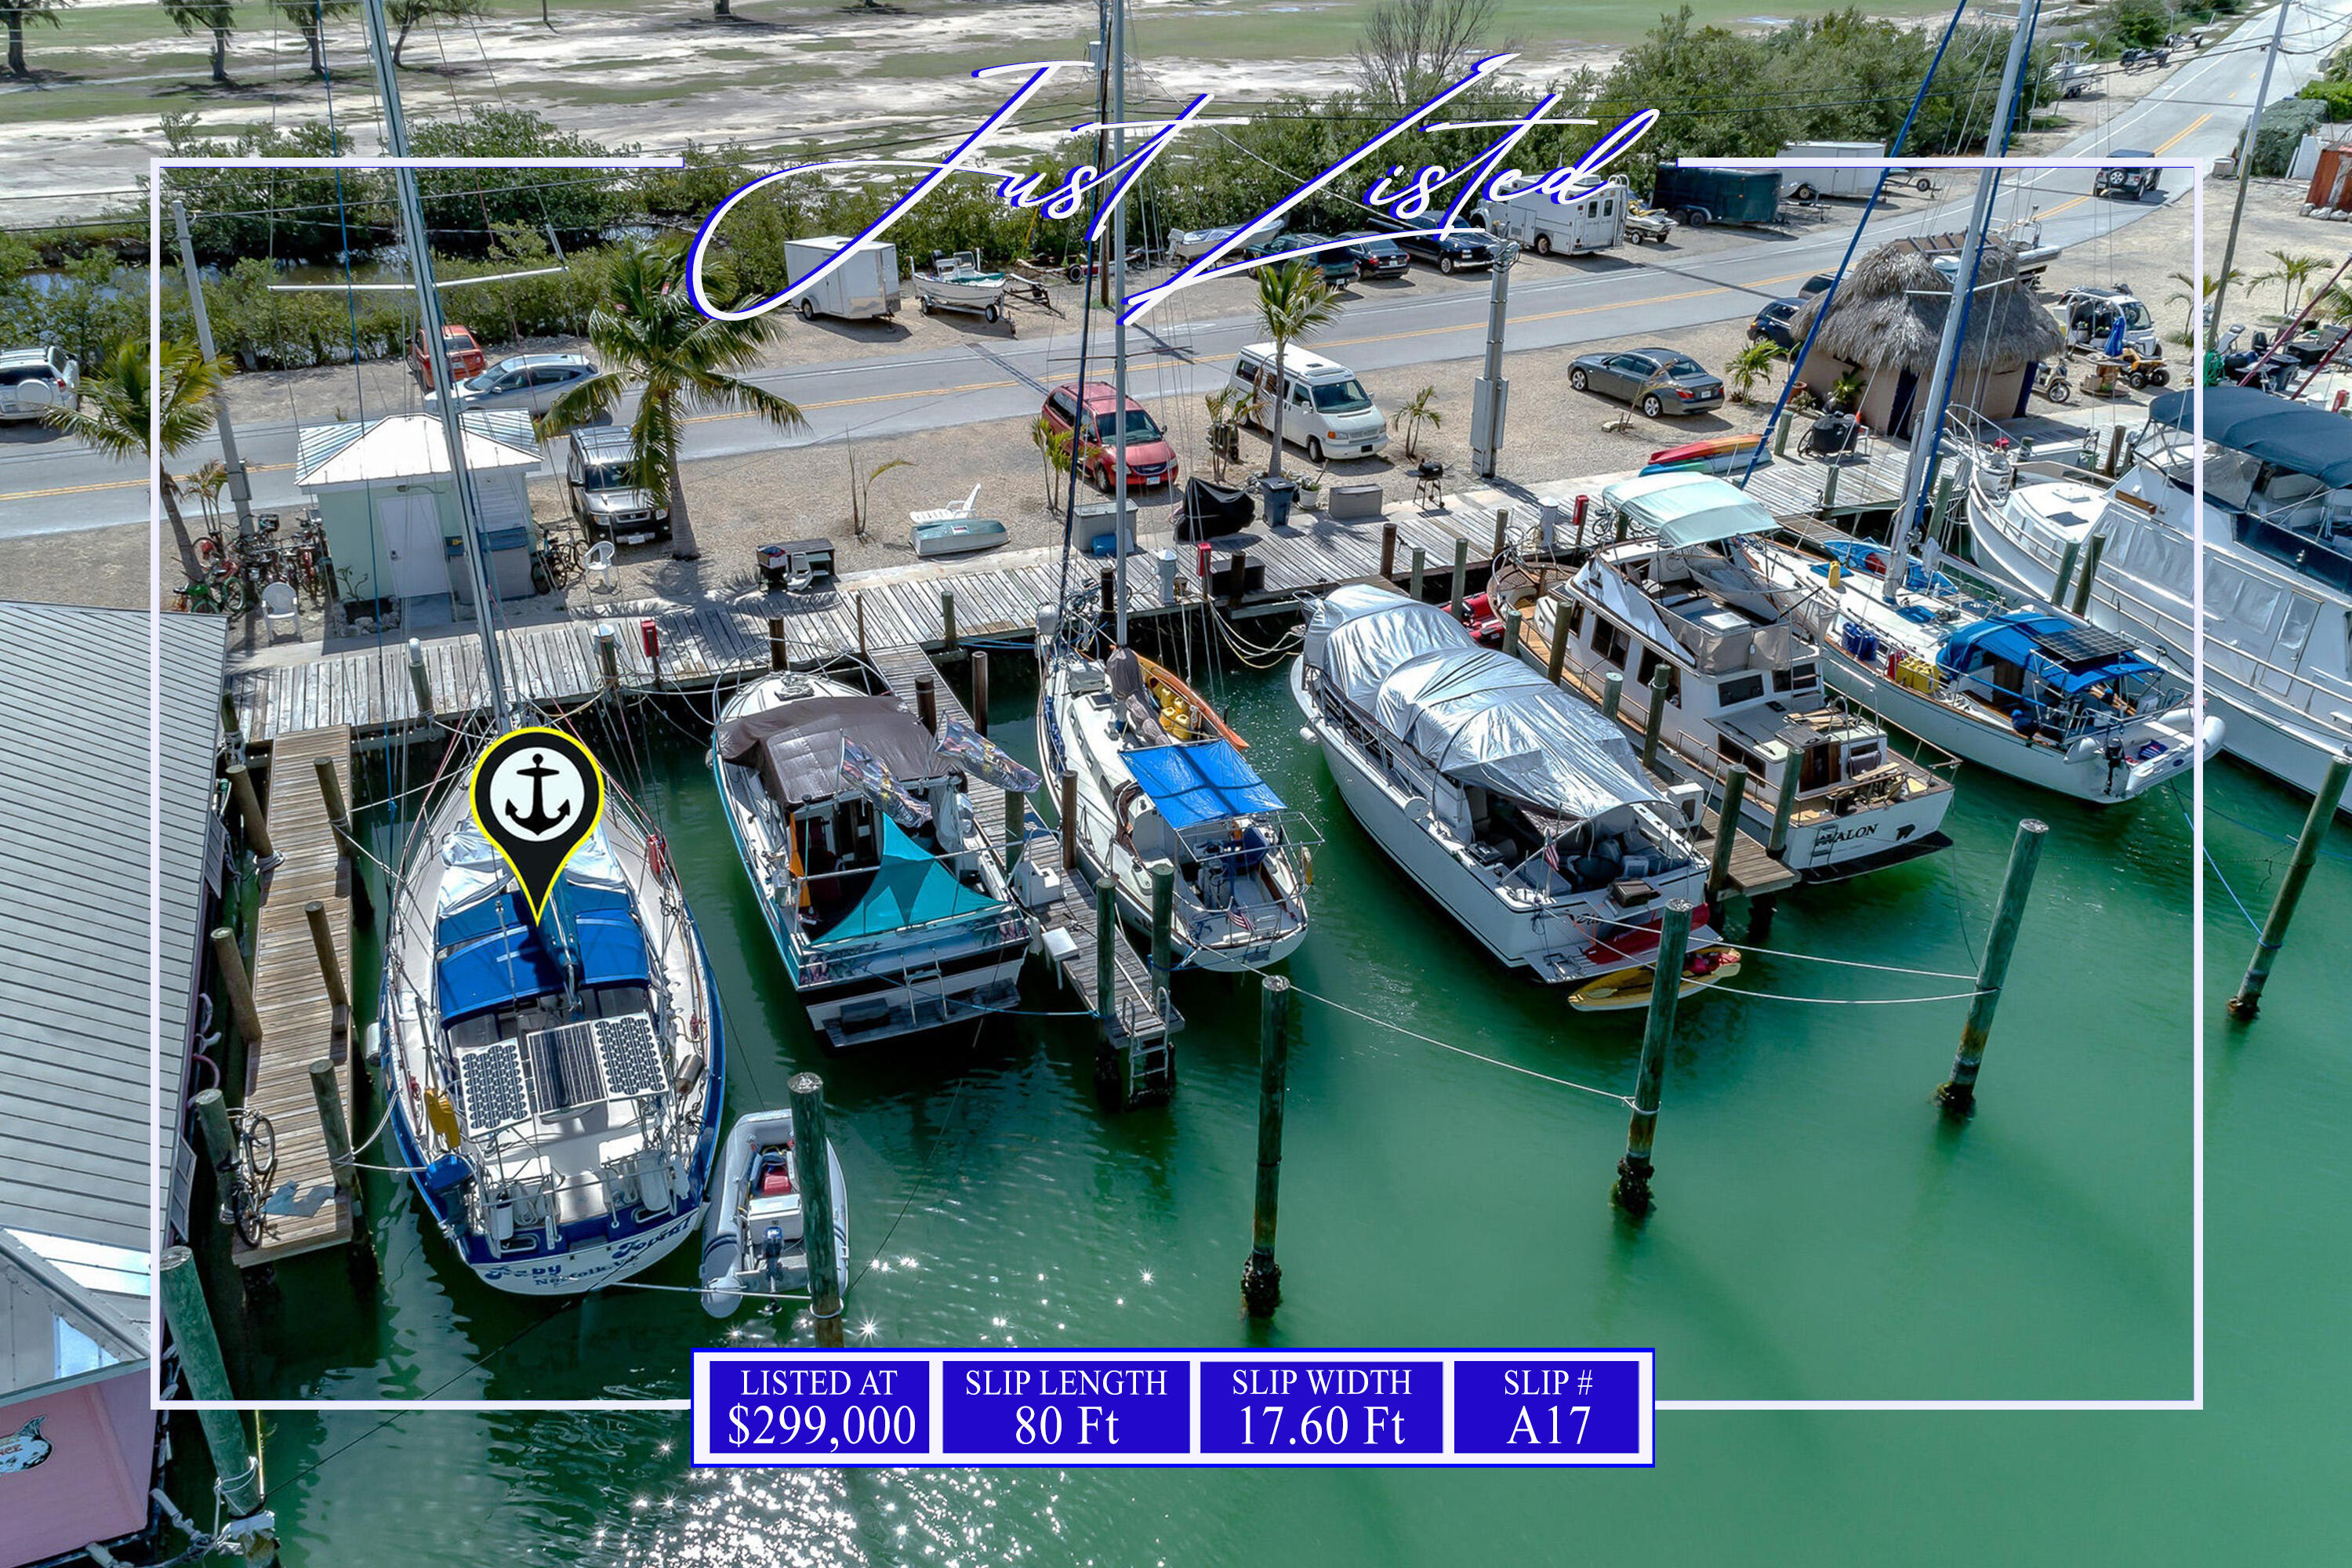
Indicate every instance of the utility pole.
{"type": "Point", "coordinates": [1122, 516]}
{"type": "Point", "coordinates": [2245, 173]}
{"type": "Point", "coordinates": [240, 488]}
{"type": "Point", "coordinates": [1491, 395]}
{"type": "Point", "coordinates": [1929, 433]}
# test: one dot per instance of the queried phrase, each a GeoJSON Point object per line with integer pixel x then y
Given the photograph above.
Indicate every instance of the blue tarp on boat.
{"type": "Point", "coordinates": [2067, 655]}
{"type": "Point", "coordinates": [1205, 780]}
{"type": "Point", "coordinates": [492, 956]}
{"type": "Point", "coordinates": [489, 972]}
{"type": "Point", "coordinates": [909, 888]}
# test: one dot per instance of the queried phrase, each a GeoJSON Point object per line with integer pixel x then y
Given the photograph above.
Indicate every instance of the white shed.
{"type": "Point", "coordinates": [387, 501]}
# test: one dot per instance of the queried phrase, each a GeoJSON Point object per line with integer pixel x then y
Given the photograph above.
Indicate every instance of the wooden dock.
{"type": "Point", "coordinates": [1136, 1033]}
{"type": "Point", "coordinates": [300, 1025]}
{"type": "Point", "coordinates": [1796, 488]}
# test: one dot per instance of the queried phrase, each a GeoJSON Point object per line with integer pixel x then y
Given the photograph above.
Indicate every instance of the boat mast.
{"type": "Point", "coordinates": [419, 241]}
{"type": "Point", "coordinates": [1121, 515]}
{"type": "Point", "coordinates": [1927, 435]}
{"type": "Point", "coordinates": [2245, 171]}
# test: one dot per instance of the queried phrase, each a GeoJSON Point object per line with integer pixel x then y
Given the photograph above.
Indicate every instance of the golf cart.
{"type": "Point", "coordinates": [2132, 182]}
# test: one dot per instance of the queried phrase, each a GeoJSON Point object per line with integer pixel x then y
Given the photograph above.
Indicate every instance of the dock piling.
{"type": "Point", "coordinates": [420, 681]}
{"type": "Point", "coordinates": [1106, 956]}
{"type": "Point", "coordinates": [946, 620]}
{"type": "Point", "coordinates": [1419, 571]}
{"type": "Point", "coordinates": [1261, 1276]}
{"type": "Point", "coordinates": [1502, 532]}
{"type": "Point", "coordinates": [1830, 468]}
{"type": "Point", "coordinates": [926, 703]}
{"type": "Point", "coordinates": [1164, 924]}
{"type": "Point", "coordinates": [2099, 547]}
{"type": "Point", "coordinates": [1070, 810]}
{"type": "Point", "coordinates": [1461, 575]}
{"type": "Point", "coordinates": [1016, 827]}
{"type": "Point", "coordinates": [2247, 1002]}
{"type": "Point", "coordinates": [1726, 836]}
{"type": "Point", "coordinates": [339, 995]}
{"type": "Point", "coordinates": [1632, 1191]}
{"type": "Point", "coordinates": [2067, 559]}
{"type": "Point", "coordinates": [1556, 651]}
{"type": "Point", "coordinates": [212, 1121]}
{"type": "Point", "coordinates": [859, 600]}
{"type": "Point", "coordinates": [1612, 694]}
{"type": "Point", "coordinates": [814, 1172]}
{"type": "Point", "coordinates": [232, 731]}
{"type": "Point", "coordinates": [1958, 1096]}
{"type": "Point", "coordinates": [1780, 435]}
{"type": "Point", "coordinates": [191, 1321]}
{"type": "Point", "coordinates": [779, 649]}
{"type": "Point", "coordinates": [238, 981]}
{"type": "Point", "coordinates": [1387, 555]}
{"type": "Point", "coordinates": [1511, 632]}
{"type": "Point", "coordinates": [1784, 806]}
{"type": "Point", "coordinates": [608, 657]}
{"type": "Point", "coordinates": [1653, 719]}
{"type": "Point", "coordinates": [980, 690]}
{"type": "Point", "coordinates": [250, 814]}
{"type": "Point", "coordinates": [331, 1123]}
{"type": "Point", "coordinates": [2115, 463]}
{"type": "Point", "coordinates": [1240, 570]}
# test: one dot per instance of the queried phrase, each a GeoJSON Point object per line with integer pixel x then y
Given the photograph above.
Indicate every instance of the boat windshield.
{"type": "Point", "coordinates": [2230, 475]}
{"type": "Point", "coordinates": [1346, 397]}
{"type": "Point", "coordinates": [1139, 426]}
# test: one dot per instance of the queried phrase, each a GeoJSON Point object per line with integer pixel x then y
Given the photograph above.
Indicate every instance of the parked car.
{"type": "Point", "coordinates": [1376, 255]}
{"type": "Point", "coordinates": [1776, 323]}
{"type": "Point", "coordinates": [34, 381]}
{"type": "Point", "coordinates": [2132, 182]}
{"type": "Point", "coordinates": [1654, 380]}
{"type": "Point", "coordinates": [1264, 244]}
{"type": "Point", "coordinates": [1325, 409]}
{"type": "Point", "coordinates": [524, 381]}
{"type": "Point", "coordinates": [603, 495]}
{"type": "Point", "coordinates": [459, 345]}
{"type": "Point", "coordinates": [1817, 283]}
{"type": "Point", "coordinates": [1338, 267]}
{"type": "Point", "coordinates": [1150, 461]}
{"type": "Point", "coordinates": [1459, 251]}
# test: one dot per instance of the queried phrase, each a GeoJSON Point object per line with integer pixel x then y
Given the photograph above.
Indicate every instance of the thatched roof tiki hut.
{"type": "Point", "coordinates": [1888, 317]}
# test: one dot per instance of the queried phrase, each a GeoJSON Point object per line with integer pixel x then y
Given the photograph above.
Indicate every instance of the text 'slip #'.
{"type": "Point", "coordinates": [1400, 197]}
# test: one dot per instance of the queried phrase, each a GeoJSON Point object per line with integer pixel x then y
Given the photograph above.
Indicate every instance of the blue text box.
{"type": "Point", "coordinates": [1542, 1403]}
{"type": "Point", "coordinates": [1084, 1406]}
{"type": "Point", "coordinates": [1304, 1405]}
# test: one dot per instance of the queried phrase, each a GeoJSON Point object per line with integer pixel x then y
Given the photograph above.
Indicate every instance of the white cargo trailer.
{"type": "Point", "coordinates": [1828, 169]}
{"type": "Point", "coordinates": [1587, 216]}
{"type": "Point", "coordinates": [861, 289]}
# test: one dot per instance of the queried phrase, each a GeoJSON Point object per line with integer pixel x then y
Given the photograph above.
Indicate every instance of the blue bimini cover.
{"type": "Point", "coordinates": [909, 888]}
{"type": "Point", "coordinates": [611, 947]}
{"type": "Point", "coordinates": [491, 957]}
{"type": "Point", "coordinates": [1205, 780]}
{"type": "Point", "coordinates": [2067, 655]}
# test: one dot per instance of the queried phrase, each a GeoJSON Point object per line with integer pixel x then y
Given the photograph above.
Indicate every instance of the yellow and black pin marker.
{"type": "Point", "coordinates": [537, 796]}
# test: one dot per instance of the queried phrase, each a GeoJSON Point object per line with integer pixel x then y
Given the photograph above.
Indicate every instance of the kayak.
{"type": "Point", "coordinates": [1716, 455]}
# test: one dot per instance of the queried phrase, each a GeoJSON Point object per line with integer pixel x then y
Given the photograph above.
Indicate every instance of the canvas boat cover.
{"type": "Point", "coordinates": [1766, 624]}
{"type": "Point", "coordinates": [493, 956]}
{"type": "Point", "coordinates": [1685, 508]}
{"type": "Point", "coordinates": [2068, 656]}
{"type": "Point", "coordinates": [797, 745]}
{"type": "Point", "coordinates": [1476, 715]}
{"type": "Point", "coordinates": [1205, 780]}
{"type": "Point", "coordinates": [909, 888]}
{"type": "Point", "coordinates": [2300, 437]}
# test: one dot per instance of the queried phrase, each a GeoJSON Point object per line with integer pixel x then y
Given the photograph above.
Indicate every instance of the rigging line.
{"type": "Point", "coordinates": [1458, 1050]}
{"type": "Point", "coordinates": [2252, 924]}
{"type": "Point", "coordinates": [929, 1161]}
{"type": "Point", "coordinates": [1854, 1001]}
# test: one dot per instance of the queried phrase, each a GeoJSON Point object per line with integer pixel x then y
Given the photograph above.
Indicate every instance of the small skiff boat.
{"type": "Point", "coordinates": [956, 536]}
{"type": "Point", "coordinates": [1716, 455]}
{"type": "Point", "coordinates": [957, 283]}
{"type": "Point", "coordinates": [755, 1241]}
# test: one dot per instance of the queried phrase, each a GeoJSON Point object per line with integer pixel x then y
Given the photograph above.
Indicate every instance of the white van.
{"type": "Point", "coordinates": [1590, 215]}
{"type": "Point", "coordinates": [1325, 409]}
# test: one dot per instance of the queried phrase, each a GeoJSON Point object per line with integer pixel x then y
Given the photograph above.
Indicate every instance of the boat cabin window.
{"type": "Point", "coordinates": [1610, 641]}
{"type": "Point", "coordinates": [1739, 688]}
{"type": "Point", "coordinates": [1649, 668]}
{"type": "Point", "coordinates": [1732, 751]}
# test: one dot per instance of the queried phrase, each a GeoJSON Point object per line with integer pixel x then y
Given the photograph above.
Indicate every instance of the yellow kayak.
{"type": "Point", "coordinates": [1625, 989]}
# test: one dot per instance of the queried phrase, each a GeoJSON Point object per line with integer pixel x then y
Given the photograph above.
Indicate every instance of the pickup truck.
{"type": "Point", "coordinates": [34, 381]}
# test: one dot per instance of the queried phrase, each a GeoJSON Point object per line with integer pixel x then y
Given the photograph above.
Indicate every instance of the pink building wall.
{"type": "Point", "coordinates": [92, 1484]}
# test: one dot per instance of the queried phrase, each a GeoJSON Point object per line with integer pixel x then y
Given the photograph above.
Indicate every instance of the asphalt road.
{"type": "Point", "coordinates": [51, 484]}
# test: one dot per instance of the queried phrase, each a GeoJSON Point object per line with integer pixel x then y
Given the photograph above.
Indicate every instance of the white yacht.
{"type": "Point", "coordinates": [555, 1085]}
{"type": "Point", "coordinates": [2277, 537]}
{"type": "Point", "coordinates": [1995, 680]}
{"type": "Point", "coordinates": [888, 903]}
{"type": "Point", "coordinates": [1684, 593]}
{"type": "Point", "coordinates": [1512, 802]}
{"type": "Point", "coordinates": [1161, 778]}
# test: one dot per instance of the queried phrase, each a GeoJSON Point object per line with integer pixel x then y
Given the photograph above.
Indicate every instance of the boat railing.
{"type": "Point", "coordinates": [2226, 665]}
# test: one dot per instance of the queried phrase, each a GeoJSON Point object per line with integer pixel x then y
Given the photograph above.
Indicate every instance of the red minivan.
{"type": "Point", "coordinates": [1150, 461]}
{"type": "Point", "coordinates": [465, 354]}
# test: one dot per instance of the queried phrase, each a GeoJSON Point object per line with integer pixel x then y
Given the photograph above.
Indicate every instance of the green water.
{"type": "Point", "coordinates": [1822, 1235]}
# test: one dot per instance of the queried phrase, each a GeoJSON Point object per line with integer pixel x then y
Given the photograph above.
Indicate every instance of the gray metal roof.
{"type": "Point", "coordinates": [76, 976]}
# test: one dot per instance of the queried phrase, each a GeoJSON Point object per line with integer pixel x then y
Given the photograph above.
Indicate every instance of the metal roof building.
{"type": "Point", "coordinates": [78, 975]}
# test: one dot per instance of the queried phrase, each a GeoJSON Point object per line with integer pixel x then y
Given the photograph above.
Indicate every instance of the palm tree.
{"type": "Point", "coordinates": [1750, 365]}
{"type": "Point", "coordinates": [646, 329]}
{"type": "Point", "coordinates": [113, 412]}
{"type": "Point", "coordinates": [1292, 301]}
{"type": "Point", "coordinates": [1411, 417]}
{"type": "Point", "coordinates": [2291, 273]}
{"type": "Point", "coordinates": [1054, 446]}
{"type": "Point", "coordinates": [2182, 296]}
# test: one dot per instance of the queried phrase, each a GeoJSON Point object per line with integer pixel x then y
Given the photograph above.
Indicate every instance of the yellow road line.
{"type": "Point", "coordinates": [2175, 141]}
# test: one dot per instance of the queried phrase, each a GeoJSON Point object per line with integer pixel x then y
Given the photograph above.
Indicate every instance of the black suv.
{"type": "Point", "coordinates": [1377, 254]}
{"type": "Point", "coordinates": [1453, 252]}
{"type": "Point", "coordinates": [1776, 323]}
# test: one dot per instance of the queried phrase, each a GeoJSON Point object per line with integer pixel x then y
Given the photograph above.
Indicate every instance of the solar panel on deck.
{"type": "Point", "coordinates": [2074, 644]}
{"type": "Point", "coordinates": [565, 1073]}
{"type": "Point", "coordinates": [632, 1065]}
{"type": "Point", "coordinates": [490, 1087]}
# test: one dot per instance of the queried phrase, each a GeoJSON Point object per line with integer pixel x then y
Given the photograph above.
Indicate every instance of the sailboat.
{"type": "Point", "coordinates": [1161, 777]}
{"type": "Point", "coordinates": [555, 1083]}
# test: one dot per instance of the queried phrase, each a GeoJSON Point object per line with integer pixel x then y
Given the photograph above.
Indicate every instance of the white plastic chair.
{"type": "Point", "coordinates": [601, 573]}
{"type": "Point", "coordinates": [947, 513]}
{"type": "Point", "coordinates": [278, 609]}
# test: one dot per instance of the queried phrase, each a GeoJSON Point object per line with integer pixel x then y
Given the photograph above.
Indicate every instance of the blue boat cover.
{"type": "Point", "coordinates": [1205, 780]}
{"type": "Point", "coordinates": [909, 888]}
{"type": "Point", "coordinates": [2067, 655]}
{"type": "Point", "coordinates": [492, 956]}
{"type": "Point", "coordinates": [2284, 433]}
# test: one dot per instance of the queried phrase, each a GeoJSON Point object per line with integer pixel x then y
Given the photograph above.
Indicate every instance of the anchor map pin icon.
{"type": "Point", "coordinates": [537, 795]}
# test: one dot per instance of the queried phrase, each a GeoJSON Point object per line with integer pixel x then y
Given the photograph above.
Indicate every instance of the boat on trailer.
{"type": "Point", "coordinates": [755, 1241]}
{"type": "Point", "coordinates": [1513, 803]}
{"type": "Point", "coordinates": [959, 282]}
{"type": "Point", "coordinates": [886, 902]}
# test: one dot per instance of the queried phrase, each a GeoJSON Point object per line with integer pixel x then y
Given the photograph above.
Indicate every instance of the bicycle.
{"type": "Point", "coordinates": [248, 1175]}
{"type": "Point", "coordinates": [220, 594]}
{"type": "Point", "coordinates": [565, 560]}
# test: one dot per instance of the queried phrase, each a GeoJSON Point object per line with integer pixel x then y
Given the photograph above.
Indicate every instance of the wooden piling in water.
{"type": "Point", "coordinates": [1959, 1096]}
{"type": "Point", "coordinates": [330, 1102]}
{"type": "Point", "coordinates": [250, 814]}
{"type": "Point", "coordinates": [2067, 559]}
{"type": "Point", "coordinates": [2115, 463]}
{"type": "Point", "coordinates": [1727, 836]}
{"type": "Point", "coordinates": [211, 1112]}
{"type": "Point", "coordinates": [1556, 651]}
{"type": "Point", "coordinates": [330, 969]}
{"type": "Point", "coordinates": [1461, 575]}
{"type": "Point", "coordinates": [979, 689]}
{"type": "Point", "coordinates": [1653, 720]}
{"type": "Point", "coordinates": [1784, 806]}
{"type": "Point", "coordinates": [237, 982]}
{"type": "Point", "coordinates": [2248, 1003]}
{"type": "Point", "coordinates": [1261, 1276]}
{"type": "Point", "coordinates": [1069, 811]}
{"type": "Point", "coordinates": [1387, 552]}
{"type": "Point", "coordinates": [1419, 571]}
{"type": "Point", "coordinates": [779, 648]}
{"type": "Point", "coordinates": [1106, 956]}
{"type": "Point", "coordinates": [1240, 570]}
{"type": "Point", "coordinates": [1780, 435]}
{"type": "Point", "coordinates": [1511, 632]}
{"type": "Point", "coordinates": [946, 620]}
{"type": "Point", "coordinates": [2099, 547]}
{"type": "Point", "coordinates": [1502, 532]}
{"type": "Point", "coordinates": [1831, 469]}
{"type": "Point", "coordinates": [926, 703]}
{"type": "Point", "coordinates": [232, 731]}
{"type": "Point", "coordinates": [191, 1321]}
{"type": "Point", "coordinates": [1632, 1191]}
{"type": "Point", "coordinates": [1016, 827]}
{"type": "Point", "coordinates": [420, 681]}
{"type": "Point", "coordinates": [859, 600]}
{"type": "Point", "coordinates": [1164, 924]}
{"type": "Point", "coordinates": [814, 1172]}
{"type": "Point", "coordinates": [1612, 694]}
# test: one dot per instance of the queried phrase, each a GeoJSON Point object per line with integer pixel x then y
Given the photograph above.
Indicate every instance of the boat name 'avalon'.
{"type": "Point", "coordinates": [1410, 200]}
